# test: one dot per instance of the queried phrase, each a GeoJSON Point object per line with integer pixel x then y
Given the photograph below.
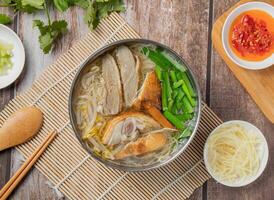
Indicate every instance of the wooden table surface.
{"type": "Point", "coordinates": [185, 26]}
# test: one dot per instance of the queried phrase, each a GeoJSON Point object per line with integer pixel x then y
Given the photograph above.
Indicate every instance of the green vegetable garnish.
{"type": "Point", "coordinates": [173, 76]}
{"type": "Point", "coordinates": [178, 84]}
{"type": "Point", "coordinates": [158, 72]}
{"type": "Point", "coordinates": [49, 33]}
{"type": "Point", "coordinates": [188, 84]}
{"type": "Point", "coordinates": [170, 105]}
{"type": "Point", "coordinates": [95, 11]}
{"type": "Point", "coordinates": [5, 57]}
{"type": "Point", "coordinates": [164, 97]}
{"type": "Point", "coordinates": [178, 96]}
{"type": "Point", "coordinates": [100, 9]}
{"type": "Point", "coordinates": [63, 5]}
{"type": "Point", "coordinates": [157, 58]}
{"type": "Point", "coordinates": [174, 120]}
{"type": "Point", "coordinates": [187, 106]}
{"type": "Point", "coordinates": [186, 91]}
{"type": "Point", "coordinates": [168, 86]}
{"type": "Point", "coordinates": [5, 19]}
{"type": "Point", "coordinates": [175, 93]}
{"type": "Point", "coordinates": [185, 116]}
{"type": "Point", "coordinates": [183, 134]}
{"type": "Point", "coordinates": [174, 62]}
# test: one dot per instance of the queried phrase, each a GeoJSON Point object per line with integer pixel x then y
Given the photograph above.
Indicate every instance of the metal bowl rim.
{"type": "Point", "coordinates": [98, 53]}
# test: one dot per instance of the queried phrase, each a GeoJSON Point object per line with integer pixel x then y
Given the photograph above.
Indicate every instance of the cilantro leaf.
{"type": "Point", "coordinates": [49, 33]}
{"type": "Point", "coordinates": [100, 9]}
{"type": "Point", "coordinates": [81, 3]}
{"type": "Point", "coordinates": [63, 5]}
{"type": "Point", "coordinates": [5, 19]}
{"type": "Point", "coordinates": [105, 8]}
{"type": "Point", "coordinates": [28, 6]}
{"type": "Point", "coordinates": [90, 17]}
{"type": "Point", "coordinates": [35, 4]}
{"type": "Point", "coordinates": [46, 42]}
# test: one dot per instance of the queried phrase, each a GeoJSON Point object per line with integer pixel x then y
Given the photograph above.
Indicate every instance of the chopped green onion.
{"type": "Point", "coordinates": [178, 84]}
{"type": "Point", "coordinates": [185, 116]}
{"type": "Point", "coordinates": [164, 96]}
{"type": "Point", "coordinates": [174, 62]}
{"type": "Point", "coordinates": [173, 76]}
{"type": "Point", "coordinates": [174, 120]}
{"type": "Point", "coordinates": [185, 133]}
{"type": "Point", "coordinates": [170, 105]}
{"type": "Point", "coordinates": [167, 83]}
{"type": "Point", "coordinates": [188, 84]}
{"type": "Point", "coordinates": [157, 58]}
{"type": "Point", "coordinates": [158, 72]}
{"type": "Point", "coordinates": [191, 100]}
{"type": "Point", "coordinates": [187, 106]}
{"type": "Point", "coordinates": [175, 93]}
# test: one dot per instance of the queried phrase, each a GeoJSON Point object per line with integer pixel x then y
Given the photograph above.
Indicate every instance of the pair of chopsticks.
{"type": "Point", "coordinates": [19, 175]}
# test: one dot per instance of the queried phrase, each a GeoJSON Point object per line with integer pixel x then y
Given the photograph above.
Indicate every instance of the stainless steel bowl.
{"type": "Point", "coordinates": [180, 149]}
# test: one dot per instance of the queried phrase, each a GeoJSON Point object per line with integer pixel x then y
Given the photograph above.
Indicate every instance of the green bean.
{"type": "Point", "coordinates": [174, 120]}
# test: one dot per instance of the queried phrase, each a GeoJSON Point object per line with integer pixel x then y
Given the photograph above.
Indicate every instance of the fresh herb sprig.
{"type": "Point", "coordinates": [50, 32]}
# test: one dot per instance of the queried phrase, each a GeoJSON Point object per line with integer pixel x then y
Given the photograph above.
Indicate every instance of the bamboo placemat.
{"type": "Point", "coordinates": [70, 168]}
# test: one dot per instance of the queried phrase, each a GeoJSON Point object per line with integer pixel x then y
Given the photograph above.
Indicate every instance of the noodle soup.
{"type": "Point", "coordinates": [135, 105]}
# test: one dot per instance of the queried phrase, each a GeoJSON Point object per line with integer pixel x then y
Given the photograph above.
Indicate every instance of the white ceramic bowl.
{"type": "Point", "coordinates": [225, 35]}
{"type": "Point", "coordinates": [263, 153]}
{"type": "Point", "coordinates": [18, 59]}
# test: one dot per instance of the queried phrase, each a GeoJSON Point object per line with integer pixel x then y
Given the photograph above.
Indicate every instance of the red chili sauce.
{"type": "Point", "coordinates": [252, 35]}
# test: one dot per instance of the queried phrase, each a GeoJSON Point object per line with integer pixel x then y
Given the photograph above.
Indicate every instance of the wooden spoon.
{"type": "Point", "coordinates": [20, 127]}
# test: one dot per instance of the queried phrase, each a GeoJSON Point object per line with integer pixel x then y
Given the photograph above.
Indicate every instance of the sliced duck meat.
{"type": "Point", "coordinates": [114, 100]}
{"type": "Point", "coordinates": [127, 127]}
{"type": "Point", "coordinates": [149, 143]}
{"type": "Point", "coordinates": [149, 92]}
{"type": "Point", "coordinates": [129, 67]}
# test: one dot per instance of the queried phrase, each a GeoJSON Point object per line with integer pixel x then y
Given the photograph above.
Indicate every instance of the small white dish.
{"type": "Point", "coordinates": [254, 65]}
{"type": "Point", "coordinates": [18, 59]}
{"type": "Point", "coordinates": [264, 154]}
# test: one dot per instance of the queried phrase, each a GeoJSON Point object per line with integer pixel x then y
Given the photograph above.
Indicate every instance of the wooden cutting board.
{"type": "Point", "coordinates": [258, 83]}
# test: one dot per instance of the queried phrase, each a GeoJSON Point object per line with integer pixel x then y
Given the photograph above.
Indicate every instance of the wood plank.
{"type": "Point", "coordinates": [230, 101]}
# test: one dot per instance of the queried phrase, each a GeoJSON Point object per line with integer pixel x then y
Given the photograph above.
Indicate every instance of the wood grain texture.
{"type": "Point", "coordinates": [230, 101]}
{"type": "Point", "coordinates": [258, 83]}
